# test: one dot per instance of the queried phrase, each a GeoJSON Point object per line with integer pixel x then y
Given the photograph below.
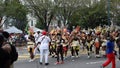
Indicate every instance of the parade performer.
{"type": "Point", "coordinates": [97, 45]}
{"type": "Point", "coordinates": [89, 44]}
{"type": "Point", "coordinates": [31, 45]}
{"type": "Point", "coordinates": [65, 45]}
{"type": "Point", "coordinates": [59, 50]}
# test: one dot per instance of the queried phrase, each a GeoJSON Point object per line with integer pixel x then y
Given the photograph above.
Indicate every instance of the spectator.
{"type": "Point", "coordinates": [110, 54]}
{"type": "Point", "coordinates": [10, 49]}
{"type": "Point", "coordinates": [4, 55]}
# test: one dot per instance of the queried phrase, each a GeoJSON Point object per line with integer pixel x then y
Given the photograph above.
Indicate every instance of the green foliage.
{"type": "Point", "coordinates": [16, 11]}
{"type": "Point", "coordinates": [1, 8]}
{"type": "Point", "coordinates": [71, 12]}
{"type": "Point", "coordinates": [115, 9]}
{"type": "Point", "coordinates": [65, 9]}
{"type": "Point", "coordinates": [40, 25]}
{"type": "Point", "coordinates": [43, 10]}
{"type": "Point", "coordinates": [118, 20]}
{"type": "Point", "coordinates": [93, 14]}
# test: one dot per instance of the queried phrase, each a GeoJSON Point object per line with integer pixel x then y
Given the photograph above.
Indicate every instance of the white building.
{"type": "Point", "coordinates": [31, 20]}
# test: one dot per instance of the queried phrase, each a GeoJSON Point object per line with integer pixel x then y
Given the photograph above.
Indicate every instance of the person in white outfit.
{"type": "Point", "coordinates": [37, 35]}
{"type": "Point", "coordinates": [43, 44]}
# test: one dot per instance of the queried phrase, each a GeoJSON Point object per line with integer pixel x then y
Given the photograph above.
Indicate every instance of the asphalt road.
{"type": "Point", "coordinates": [81, 62]}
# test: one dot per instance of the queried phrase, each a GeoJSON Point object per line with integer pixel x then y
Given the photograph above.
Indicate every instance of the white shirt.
{"type": "Point", "coordinates": [44, 42]}
{"type": "Point", "coordinates": [36, 35]}
{"type": "Point", "coordinates": [26, 37]}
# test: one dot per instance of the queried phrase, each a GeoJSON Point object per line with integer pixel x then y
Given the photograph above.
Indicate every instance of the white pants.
{"type": "Point", "coordinates": [44, 52]}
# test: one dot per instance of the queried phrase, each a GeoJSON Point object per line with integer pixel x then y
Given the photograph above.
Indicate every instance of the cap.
{"type": "Point", "coordinates": [44, 33]}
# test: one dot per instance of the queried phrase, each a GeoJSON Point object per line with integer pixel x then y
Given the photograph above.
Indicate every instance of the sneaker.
{"type": "Point", "coordinates": [88, 57]}
{"type": "Point", "coordinates": [61, 62]}
{"type": "Point", "coordinates": [46, 63]}
{"type": "Point", "coordinates": [97, 56]}
{"type": "Point", "coordinates": [72, 56]}
{"type": "Point", "coordinates": [57, 63]}
{"type": "Point", "coordinates": [52, 55]}
{"type": "Point", "coordinates": [77, 56]}
{"type": "Point", "coordinates": [55, 56]}
{"type": "Point", "coordinates": [40, 63]}
{"type": "Point", "coordinates": [31, 60]}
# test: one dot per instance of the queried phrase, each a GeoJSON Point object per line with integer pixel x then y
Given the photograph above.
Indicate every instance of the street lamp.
{"type": "Point", "coordinates": [108, 10]}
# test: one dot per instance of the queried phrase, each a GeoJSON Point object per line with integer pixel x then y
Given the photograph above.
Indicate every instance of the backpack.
{"type": "Point", "coordinates": [14, 54]}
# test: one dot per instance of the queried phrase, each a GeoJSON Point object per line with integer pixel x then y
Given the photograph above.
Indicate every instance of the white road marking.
{"type": "Point", "coordinates": [94, 62]}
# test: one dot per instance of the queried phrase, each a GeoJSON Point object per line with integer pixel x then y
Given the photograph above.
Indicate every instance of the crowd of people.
{"type": "Point", "coordinates": [100, 41]}
{"type": "Point", "coordinates": [58, 42]}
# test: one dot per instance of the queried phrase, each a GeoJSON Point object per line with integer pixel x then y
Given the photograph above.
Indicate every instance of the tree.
{"type": "Point", "coordinates": [43, 10]}
{"type": "Point", "coordinates": [2, 10]}
{"type": "Point", "coordinates": [65, 9]}
{"type": "Point", "coordinates": [74, 12]}
{"type": "Point", "coordinates": [115, 10]}
{"type": "Point", "coordinates": [88, 14]}
{"type": "Point", "coordinates": [17, 12]}
{"type": "Point", "coordinates": [14, 12]}
{"type": "Point", "coordinates": [40, 25]}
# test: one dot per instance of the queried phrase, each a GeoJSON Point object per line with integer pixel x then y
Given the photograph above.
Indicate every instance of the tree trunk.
{"type": "Point", "coordinates": [46, 27]}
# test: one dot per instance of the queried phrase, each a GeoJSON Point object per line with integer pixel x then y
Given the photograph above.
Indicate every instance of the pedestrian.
{"type": "Point", "coordinates": [110, 53]}
{"type": "Point", "coordinates": [43, 43]}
